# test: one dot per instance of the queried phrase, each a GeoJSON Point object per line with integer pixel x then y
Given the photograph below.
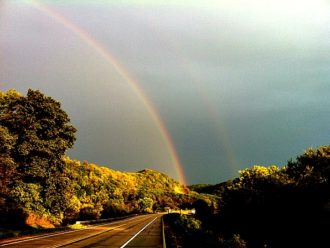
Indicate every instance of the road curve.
{"type": "Point", "coordinates": [139, 231]}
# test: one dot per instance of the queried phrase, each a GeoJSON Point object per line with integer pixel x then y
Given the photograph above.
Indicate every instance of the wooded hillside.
{"type": "Point", "coordinates": [41, 186]}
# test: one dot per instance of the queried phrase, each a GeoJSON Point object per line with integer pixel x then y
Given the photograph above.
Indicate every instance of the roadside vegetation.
{"type": "Point", "coordinates": [40, 187]}
{"type": "Point", "coordinates": [264, 207]}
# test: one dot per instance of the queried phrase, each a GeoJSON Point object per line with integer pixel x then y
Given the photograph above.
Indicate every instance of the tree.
{"type": "Point", "coordinates": [40, 134]}
{"type": "Point", "coordinates": [262, 178]}
{"type": "Point", "coordinates": [7, 169]}
{"type": "Point", "coordinates": [204, 210]}
{"type": "Point", "coordinates": [146, 204]}
{"type": "Point", "coordinates": [311, 167]}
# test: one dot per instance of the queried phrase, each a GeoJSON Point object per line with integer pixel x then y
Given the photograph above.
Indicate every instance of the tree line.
{"type": "Point", "coordinates": [266, 206]}
{"type": "Point", "coordinates": [41, 186]}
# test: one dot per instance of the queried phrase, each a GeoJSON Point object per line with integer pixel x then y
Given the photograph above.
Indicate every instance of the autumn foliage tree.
{"type": "Point", "coordinates": [36, 133]}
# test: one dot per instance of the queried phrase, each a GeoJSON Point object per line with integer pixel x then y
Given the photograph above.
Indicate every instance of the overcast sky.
{"type": "Point", "coordinates": [236, 83]}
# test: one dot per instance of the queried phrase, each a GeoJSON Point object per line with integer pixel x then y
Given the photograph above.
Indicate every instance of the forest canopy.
{"type": "Point", "coordinates": [269, 206]}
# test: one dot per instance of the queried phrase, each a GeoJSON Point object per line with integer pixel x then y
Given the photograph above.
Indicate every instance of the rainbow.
{"type": "Point", "coordinates": [213, 115]}
{"type": "Point", "coordinates": [134, 84]}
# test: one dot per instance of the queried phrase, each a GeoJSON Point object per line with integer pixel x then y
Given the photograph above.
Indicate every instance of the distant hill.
{"type": "Point", "coordinates": [211, 189]}
{"type": "Point", "coordinates": [100, 192]}
{"type": "Point", "coordinates": [40, 186]}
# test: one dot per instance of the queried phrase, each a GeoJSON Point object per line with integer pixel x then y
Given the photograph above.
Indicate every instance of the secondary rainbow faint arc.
{"type": "Point", "coordinates": [213, 114]}
{"type": "Point", "coordinates": [87, 38]}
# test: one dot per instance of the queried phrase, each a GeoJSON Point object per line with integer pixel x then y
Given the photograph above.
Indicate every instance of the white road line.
{"type": "Point", "coordinates": [138, 233]}
{"type": "Point", "coordinates": [86, 237]}
{"type": "Point", "coordinates": [57, 234]}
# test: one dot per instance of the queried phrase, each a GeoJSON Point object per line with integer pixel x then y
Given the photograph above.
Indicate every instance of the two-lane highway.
{"type": "Point", "coordinates": [139, 231]}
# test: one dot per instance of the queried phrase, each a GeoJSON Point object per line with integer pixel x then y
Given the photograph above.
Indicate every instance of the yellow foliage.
{"type": "Point", "coordinates": [100, 189]}
{"type": "Point", "coordinates": [259, 171]}
{"type": "Point", "coordinates": [36, 221]}
{"type": "Point", "coordinates": [77, 226]}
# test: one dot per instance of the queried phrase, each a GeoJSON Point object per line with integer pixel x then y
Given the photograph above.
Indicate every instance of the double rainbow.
{"type": "Point", "coordinates": [133, 83]}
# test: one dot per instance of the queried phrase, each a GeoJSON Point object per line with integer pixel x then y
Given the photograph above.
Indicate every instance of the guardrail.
{"type": "Point", "coordinates": [103, 220]}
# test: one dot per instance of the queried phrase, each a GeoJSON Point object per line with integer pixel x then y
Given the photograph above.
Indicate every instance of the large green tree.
{"type": "Point", "coordinates": [7, 165]}
{"type": "Point", "coordinates": [35, 134]}
{"type": "Point", "coordinates": [313, 167]}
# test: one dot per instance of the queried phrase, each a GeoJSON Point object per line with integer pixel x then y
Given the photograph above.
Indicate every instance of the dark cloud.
{"type": "Point", "coordinates": [235, 85]}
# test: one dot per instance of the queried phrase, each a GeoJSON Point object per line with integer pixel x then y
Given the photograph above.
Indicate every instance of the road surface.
{"type": "Point", "coordinates": [139, 231]}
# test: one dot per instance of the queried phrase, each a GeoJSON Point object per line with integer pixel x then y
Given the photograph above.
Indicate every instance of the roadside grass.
{"type": "Point", "coordinates": [18, 232]}
{"type": "Point", "coordinates": [9, 233]}
{"type": "Point", "coordinates": [187, 231]}
{"type": "Point", "coordinates": [77, 226]}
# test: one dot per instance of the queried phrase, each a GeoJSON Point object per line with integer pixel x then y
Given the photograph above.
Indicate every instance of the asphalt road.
{"type": "Point", "coordinates": [139, 231]}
